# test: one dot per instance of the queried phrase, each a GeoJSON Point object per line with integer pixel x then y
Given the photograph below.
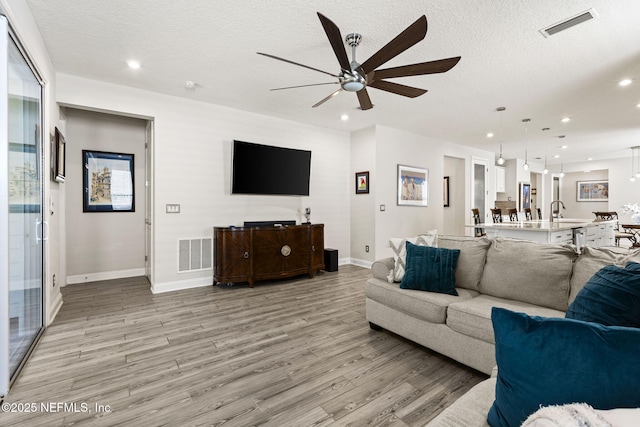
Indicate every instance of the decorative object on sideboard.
{"type": "Point", "coordinates": [413, 185]}
{"type": "Point", "coordinates": [59, 161]}
{"type": "Point", "coordinates": [362, 182]}
{"type": "Point", "coordinates": [108, 182]}
{"type": "Point", "coordinates": [307, 215]}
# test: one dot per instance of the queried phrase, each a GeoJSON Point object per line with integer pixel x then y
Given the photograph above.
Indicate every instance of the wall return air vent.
{"type": "Point", "coordinates": [569, 22]}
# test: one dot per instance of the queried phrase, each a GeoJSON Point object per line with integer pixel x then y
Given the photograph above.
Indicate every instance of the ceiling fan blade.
{"type": "Point", "coordinates": [431, 67]}
{"type": "Point", "coordinates": [296, 63]}
{"type": "Point", "coordinates": [333, 34]}
{"type": "Point", "coordinates": [403, 41]}
{"type": "Point", "coordinates": [398, 89]}
{"type": "Point", "coordinates": [314, 84]}
{"type": "Point", "coordinates": [363, 98]}
{"type": "Point", "coordinates": [317, 104]}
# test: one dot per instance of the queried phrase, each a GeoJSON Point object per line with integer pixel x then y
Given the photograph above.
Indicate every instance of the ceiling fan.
{"type": "Point", "coordinates": [356, 77]}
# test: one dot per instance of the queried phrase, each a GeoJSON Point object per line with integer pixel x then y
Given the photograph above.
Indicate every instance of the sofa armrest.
{"type": "Point", "coordinates": [381, 268]}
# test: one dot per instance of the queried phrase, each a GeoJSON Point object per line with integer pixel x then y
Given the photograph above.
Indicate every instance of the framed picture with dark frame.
{"type": "Point", "coordinates": [108, 182]}
{"type": "Point", "coordinates": [525, 196]}
{"type": "Point", "coordinates": [592, 191]}
{"type": "Point", "coordinates": [445, 191]}
{"type": "Point", "coordinates": [362, 182]}
{"type": "Point", "coordinates": [59, 162]}
{"type": "Point", "coordinates": [413, 185]}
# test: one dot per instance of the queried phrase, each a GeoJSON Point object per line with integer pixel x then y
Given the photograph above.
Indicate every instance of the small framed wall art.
{"type": "Point", "coordinates": [108, 180]}
{"type": "Point", "coordinates": [362, 182]}
{"type": "Point", "coordinates": [445, 191]}
{"type": "Point", "coordinates": [413, 184]}
{"type": "Point", "coordinates": [592, 191]}
{"type": "Point", "coordinates": [59, 162]}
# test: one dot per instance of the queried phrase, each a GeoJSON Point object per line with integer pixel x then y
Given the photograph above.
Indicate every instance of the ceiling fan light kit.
{"type": "Point", "coordinates": [356, 77]}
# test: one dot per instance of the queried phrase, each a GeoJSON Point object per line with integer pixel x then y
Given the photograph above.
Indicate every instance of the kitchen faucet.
{"type": "Point", "coordinates": [558, 202]}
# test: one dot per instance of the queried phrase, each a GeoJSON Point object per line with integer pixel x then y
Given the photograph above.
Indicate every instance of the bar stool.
{"type": "Point", "coordinates": [479, 232]}
{"type": "Point", "coordinates": [527, 214]}
{"type": "Point", "coordinates": [496, 215]}
{"type": "Point", "coordinates": [513, 215]}
{"type": "Point", "coordinates": [539, 214]}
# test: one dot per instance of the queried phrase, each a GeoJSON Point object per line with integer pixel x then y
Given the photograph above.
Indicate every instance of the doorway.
{"type": "Point", "coordinates": [479, 172]}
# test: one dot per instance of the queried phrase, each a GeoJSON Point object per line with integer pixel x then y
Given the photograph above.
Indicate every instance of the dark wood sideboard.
{"type": "Point", "coordinates": [248, 254]}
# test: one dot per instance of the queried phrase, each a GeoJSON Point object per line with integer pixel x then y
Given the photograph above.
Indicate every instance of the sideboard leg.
{"type": "Point", "coordinates": [375, 327]}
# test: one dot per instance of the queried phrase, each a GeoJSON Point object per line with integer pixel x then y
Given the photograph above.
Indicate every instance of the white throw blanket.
{"type": "Point", "coordinates": [573, 415]}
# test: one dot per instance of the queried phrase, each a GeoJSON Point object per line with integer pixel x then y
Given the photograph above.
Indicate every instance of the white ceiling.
{"type": "Point", "coordinates": [505, 62]}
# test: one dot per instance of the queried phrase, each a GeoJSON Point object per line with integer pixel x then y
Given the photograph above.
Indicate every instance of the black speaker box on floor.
{"type": "Point", "coordinates": [330, 259]}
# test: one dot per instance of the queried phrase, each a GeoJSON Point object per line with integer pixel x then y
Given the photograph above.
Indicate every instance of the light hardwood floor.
{"type": "Point", "coordinates": [285, 353]}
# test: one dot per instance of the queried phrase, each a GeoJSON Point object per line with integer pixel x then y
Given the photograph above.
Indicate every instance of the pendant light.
{"type": "Point", "coordinates": [637, 147]}
{"type": "Point", "coordinates": [500, 159]}
{"type": "Point", "coordinates": [526, 163]}
{"type": "Point", "coordinates": [561, 170]}
{"type": "Point", "coordinates": [545, 170]}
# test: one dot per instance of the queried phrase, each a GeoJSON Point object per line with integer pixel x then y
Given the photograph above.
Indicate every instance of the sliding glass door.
{"type": "Point", "coordinates": [22, 212]}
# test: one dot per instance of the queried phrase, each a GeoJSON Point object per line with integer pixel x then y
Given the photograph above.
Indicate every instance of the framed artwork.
{"type": "Point", "coordinates": [24, 178]}
{"type": "Point", "coordinates": [108, 182]}
{"type": "Point", "coordinates": [445, 191]}
{"type": "Point", "coordinates": [60, 156]}
{"type": "Point", "coordinates": [525, 196]}
{"type": "Point", "coordinates": [413, 184]}
{"type": "Point", "coordinates": [592, 191]}
{"type": "Point", "coordinates": [362, 182]}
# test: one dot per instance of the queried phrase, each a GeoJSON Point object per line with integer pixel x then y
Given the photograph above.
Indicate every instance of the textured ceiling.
{"type": "Point", "coordinates": [505, 62]}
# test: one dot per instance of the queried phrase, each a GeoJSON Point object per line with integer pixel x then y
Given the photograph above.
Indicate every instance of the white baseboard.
{"type": "Point", "coordinates": [178, 285]}
{"type": "Point", "coordinates": [105, 275]}
{"type": "Point", "coordinates": [54, 308]}
{"type": "Point", "coordinates": [360, 262]}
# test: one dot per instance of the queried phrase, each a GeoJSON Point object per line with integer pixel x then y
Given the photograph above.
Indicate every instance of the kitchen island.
{"type": "Point", "coordinates": [564, 230]}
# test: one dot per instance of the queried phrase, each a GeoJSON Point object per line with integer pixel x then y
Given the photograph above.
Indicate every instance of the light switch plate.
{"type": "Point", "coordinates": [173, 208]}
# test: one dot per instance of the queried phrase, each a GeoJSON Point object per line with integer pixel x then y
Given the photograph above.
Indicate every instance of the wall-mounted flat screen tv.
{"type": "Point", "coordinates": [265, 169]}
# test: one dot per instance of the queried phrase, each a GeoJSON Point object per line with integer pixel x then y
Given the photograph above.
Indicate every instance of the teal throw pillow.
{"type": "Point", "coordinates": [431, 269]}
{"type": "Point", "coordinates": [611, 297]}
{"type": "Point", "coordinates": [554, 361]}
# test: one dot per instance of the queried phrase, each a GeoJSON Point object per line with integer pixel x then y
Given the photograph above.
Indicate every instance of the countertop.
{"type": "Point", "coordinates": [541, 225]}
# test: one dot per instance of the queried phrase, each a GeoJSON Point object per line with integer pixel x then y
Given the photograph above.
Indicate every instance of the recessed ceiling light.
{"type": "Point", "coordinates": [190, 84]}
{"type": "Point", "coordinates": [589, 158]}
{"type": "Point", "coordinates": [344, 117]}
{"type": "Point", "coordinates": [565, 120]}
{"type": "Point", "coordinates": [133, 64]}
{"type": "Point", "coordinates": [557, 156]}
{"type": "Point", "coordinates": [638, 105]}
{"type": "Point", "coordinates": [564, 147]}
{"type": "Point", "coordinates": [625, 82]}
{"type": "Point", "coordinates": [490, 135]}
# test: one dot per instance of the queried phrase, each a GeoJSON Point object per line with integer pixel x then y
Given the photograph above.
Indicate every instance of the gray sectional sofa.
{"type": "Point", "coordinates": [534, 278]}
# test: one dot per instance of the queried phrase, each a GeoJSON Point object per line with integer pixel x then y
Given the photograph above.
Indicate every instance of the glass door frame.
{"type": "Point", "coordinates": [8, 374]}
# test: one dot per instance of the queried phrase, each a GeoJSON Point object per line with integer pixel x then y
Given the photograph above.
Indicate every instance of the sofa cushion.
{"type": "Point", "coordinates": [399, 248]}
{"type": "Point", "coordinates": [429, 306]}
{"type": "Point", "coordinates": [430, 269]}
{"type": "Point", "coordinates": [473, 255]}
{"type": "Point", "coordinates": [470, 409]}
{"type": "Point", "coordinates": [593, 259]}
{"type": "Point", "coordinates": [611, 297]}
{"type": "Point", "coordinates": [522, 270]}
{"type": "Point", "coordinates": [473, 317]}
{"type": "Point", "coordinates": [544, 361]}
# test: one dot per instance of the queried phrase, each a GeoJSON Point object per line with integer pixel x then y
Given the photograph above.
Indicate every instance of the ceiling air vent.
{"type": "Point", "coordinates": [570, 22]}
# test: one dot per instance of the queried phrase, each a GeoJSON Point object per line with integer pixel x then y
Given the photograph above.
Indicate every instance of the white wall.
{"type": "Point", "coordinates": [192, 162]}
{"type": "Point", "coordinates": [568, 190]}
{"type": "Point", "coordinates": [22, 22]}
{"type": "Point", "coordinates": [395, 147]}
{"type": "Point", "coordinates": [363, 207]}
{"type": "Point", "coordinates": [103, 244]}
